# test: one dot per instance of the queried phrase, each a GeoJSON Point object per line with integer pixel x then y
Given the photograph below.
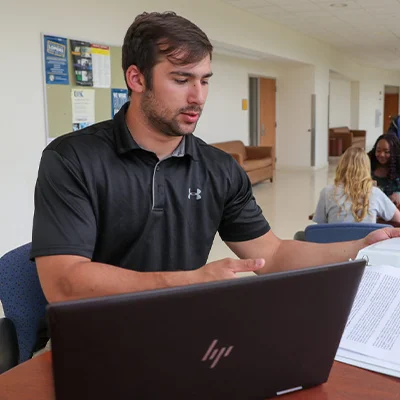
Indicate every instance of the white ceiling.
{"type": "Point", "coordinates": [367, 30]}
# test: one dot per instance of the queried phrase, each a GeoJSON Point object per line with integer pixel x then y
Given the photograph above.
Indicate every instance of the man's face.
{"type": "Point", "coordinates": [174, 104]}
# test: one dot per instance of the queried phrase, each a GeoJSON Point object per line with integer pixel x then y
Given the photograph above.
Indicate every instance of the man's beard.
{"type": "Point", "coordinates": [158, 116]}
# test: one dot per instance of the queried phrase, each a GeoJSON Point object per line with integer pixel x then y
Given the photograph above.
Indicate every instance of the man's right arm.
{"type": "Point", "coordinates": [64, 238]}
{"type": "Point", "coordinates": [65, 277]}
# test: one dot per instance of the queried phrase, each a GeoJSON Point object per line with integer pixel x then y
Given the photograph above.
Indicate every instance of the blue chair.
{"type": "Point", "coordinates": [24, 307]}
{"type": "Point", "coordinates": [339, 232]}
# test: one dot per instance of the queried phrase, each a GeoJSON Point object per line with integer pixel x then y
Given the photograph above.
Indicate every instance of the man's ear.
{"type": "Point", "coordinates": [135, 79]}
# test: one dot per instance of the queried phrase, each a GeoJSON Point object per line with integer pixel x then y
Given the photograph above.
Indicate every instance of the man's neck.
{"type": "Point", "coordinates": [149, 138]}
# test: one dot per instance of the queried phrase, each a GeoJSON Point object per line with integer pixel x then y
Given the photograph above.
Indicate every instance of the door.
{"type": "Point", "coordinates": [268, 114]}
{"type": "Point", "coordinates": [391, 109]}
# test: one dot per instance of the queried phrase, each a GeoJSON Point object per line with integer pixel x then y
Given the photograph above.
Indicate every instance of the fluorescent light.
{"type": "Point", "coordinates": [339, 5]}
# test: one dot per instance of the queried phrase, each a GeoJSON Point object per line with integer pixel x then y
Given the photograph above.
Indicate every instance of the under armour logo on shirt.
{"type": "Point", "coordinates": [194, 194]}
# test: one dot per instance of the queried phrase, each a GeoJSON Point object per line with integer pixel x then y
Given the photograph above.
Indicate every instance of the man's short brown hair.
{"type": "Point", "coordinates": [167, 34]}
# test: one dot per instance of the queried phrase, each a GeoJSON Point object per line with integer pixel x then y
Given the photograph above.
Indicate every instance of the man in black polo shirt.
{"type": "Point", "coordinates": [134, 203]}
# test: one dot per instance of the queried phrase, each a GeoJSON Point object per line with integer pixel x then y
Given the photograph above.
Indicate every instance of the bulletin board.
{"type": "Point", "coordinates": [59, 90]}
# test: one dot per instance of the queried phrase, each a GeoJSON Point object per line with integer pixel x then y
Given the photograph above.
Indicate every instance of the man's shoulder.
{"type": "Point", "coordinates": [88, 139]}
{"type": "Point", "coordinates": [211, 153]}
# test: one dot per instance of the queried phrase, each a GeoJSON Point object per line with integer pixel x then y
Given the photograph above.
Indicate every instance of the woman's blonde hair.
{"type": "Point", "coordinates": [353, 174]}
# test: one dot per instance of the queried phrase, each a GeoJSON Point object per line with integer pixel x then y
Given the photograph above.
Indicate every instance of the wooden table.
{"type": "Point", "coordinates": [33, 380]}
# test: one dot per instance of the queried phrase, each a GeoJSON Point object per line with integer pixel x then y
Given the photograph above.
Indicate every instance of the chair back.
{"type": "Point", "coordinates": [339, 232]}
{"type": "Point", "coordinates": [22, 298]}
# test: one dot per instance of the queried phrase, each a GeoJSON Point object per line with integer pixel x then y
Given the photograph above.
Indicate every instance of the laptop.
{"type": "Point", "coordinates": [248, 338]}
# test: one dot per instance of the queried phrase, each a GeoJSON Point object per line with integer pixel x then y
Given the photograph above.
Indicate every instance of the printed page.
{"type": "Point", "coordinates": [373, 327]}
{"type": "Point", "coordinates": [391, 245]}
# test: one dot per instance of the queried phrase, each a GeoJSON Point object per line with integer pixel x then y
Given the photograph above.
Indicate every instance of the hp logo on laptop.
{"type": "Point", "coordinates": [214, 354]}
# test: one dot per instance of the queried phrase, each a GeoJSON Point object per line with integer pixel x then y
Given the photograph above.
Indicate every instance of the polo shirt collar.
{"type": "Point", "coordinates": [126, 143]}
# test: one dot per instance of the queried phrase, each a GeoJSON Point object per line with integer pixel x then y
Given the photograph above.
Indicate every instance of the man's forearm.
{"type": "Point", "coordinates": [291, 254]}
{"type": "Point", "coordinates": [91, 279]}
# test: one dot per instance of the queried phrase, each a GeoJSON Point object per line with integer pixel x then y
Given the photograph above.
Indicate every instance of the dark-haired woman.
{"type": "Point", "coordinates": [385, 165]}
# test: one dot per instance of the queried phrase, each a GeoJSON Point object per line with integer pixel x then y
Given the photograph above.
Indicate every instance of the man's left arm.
{"type": "Point", "coordinates": [282, 255]}
{"type": "Point", "coordinates": [247, 233]}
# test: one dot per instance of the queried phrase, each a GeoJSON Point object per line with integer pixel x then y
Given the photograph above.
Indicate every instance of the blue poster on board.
{"type": "Point", "coordinates": [56, 60]}
{"type": "Point", "coordinates": [118, 98]}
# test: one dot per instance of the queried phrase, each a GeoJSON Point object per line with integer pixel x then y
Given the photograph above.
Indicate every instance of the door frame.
{"type": "Point", "coordinates": [258, 77]}
{"type": "Point", "coordinates": [256, 142]}
{"type": "Point", "coordinates": [384, 102]}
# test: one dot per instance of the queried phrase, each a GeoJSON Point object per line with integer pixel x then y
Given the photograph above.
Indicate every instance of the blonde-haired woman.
{"type": "Point", "coordinates": [353, 197]}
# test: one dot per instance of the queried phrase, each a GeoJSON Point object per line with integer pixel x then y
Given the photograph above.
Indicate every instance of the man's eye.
{"type": "Point", "coordinates": [180, 82]}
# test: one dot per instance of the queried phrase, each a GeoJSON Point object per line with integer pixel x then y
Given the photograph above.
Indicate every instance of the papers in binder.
{"type": "Point", "coordinates": [371, 339]}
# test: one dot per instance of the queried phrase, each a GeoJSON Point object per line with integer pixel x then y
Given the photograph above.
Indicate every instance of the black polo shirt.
{"type": "Point", "coordinates": [99, 195]}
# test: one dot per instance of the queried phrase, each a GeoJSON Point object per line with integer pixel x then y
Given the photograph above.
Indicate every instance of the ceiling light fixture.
{"type": "Point", "coordinates": [339, 5]}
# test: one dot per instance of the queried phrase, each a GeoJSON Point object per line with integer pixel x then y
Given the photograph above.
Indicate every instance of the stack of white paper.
{"type": "Point", "coordinates": [371, 339]}
{"type": "Point", "coordinates": [382, 253]}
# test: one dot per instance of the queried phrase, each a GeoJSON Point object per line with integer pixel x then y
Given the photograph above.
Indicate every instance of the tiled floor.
{"type": "Point", "coordinates": [286, 204]}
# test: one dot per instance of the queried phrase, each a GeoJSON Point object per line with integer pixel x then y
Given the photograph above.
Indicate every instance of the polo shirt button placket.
{"type": "Point", "coordinates": [158, 189]}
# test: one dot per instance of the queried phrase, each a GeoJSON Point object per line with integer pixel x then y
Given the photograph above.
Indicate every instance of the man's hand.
{"type": "Point", "coordinates": [379, 235]}
{"type": "Point", "coordinates": [226, 269]}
